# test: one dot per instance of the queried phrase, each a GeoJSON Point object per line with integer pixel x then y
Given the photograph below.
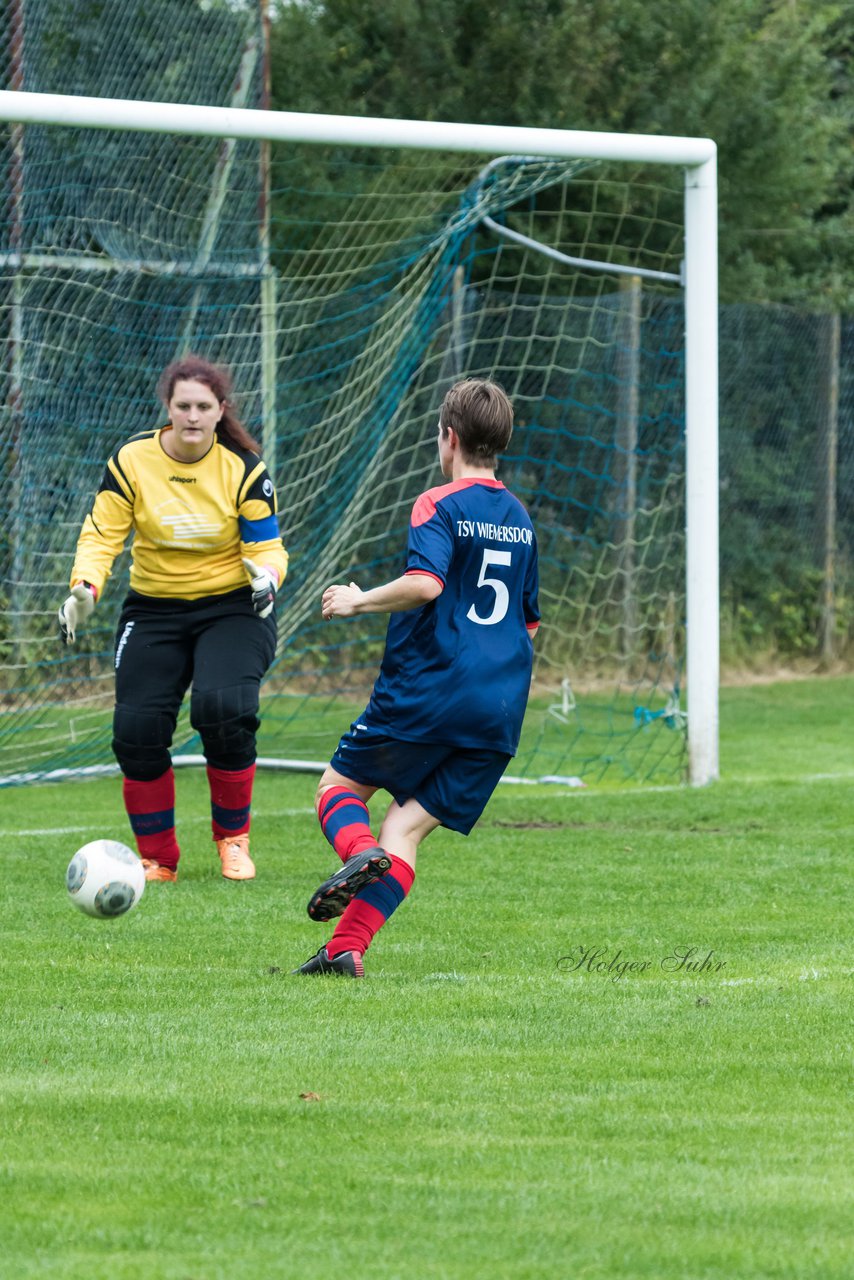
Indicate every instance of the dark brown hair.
{"type": "Point", "coordinates": [481, 413]}
{"type": "Point", "coordinates": [192, 368]}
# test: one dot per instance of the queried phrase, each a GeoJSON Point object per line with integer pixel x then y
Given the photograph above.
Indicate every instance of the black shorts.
{"type": "Point", "coordinates": [163, 645]}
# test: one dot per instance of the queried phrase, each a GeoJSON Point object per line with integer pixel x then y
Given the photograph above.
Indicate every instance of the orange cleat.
{"type": "Point", "coordinates": [154, 871]}
{"type": "Point", "coordinates": [234, 855]}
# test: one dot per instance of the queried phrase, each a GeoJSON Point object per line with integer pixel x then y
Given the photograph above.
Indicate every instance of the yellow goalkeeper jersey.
{"type": "Point", "coordinates": [192, 521]}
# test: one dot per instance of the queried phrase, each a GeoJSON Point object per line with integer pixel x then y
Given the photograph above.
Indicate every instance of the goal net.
{"type": "Point", "coordinates": [370, 281]}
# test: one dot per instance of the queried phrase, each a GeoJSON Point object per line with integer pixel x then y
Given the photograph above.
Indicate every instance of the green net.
{"type": "Point", "coordinates": [346, 298]}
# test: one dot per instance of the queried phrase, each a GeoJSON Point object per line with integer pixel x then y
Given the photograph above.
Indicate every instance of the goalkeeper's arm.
{"type": "Point", "coordinates": [101, 539]}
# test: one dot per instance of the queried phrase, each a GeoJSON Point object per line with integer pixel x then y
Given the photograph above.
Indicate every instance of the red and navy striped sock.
{"type": "Point", "coordinates": [345, 821]}
{"type": "Point", "coordinates": [150, 807]}
{"type": "Point", "coordinates": [231, 800]}
{"type": "Point", "coordinates": [370, 909]}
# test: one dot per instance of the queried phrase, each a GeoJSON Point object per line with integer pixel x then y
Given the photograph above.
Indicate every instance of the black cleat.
{"type": "Point", "coordinates": [347, 964]}
{"type": "Point", "coordinates": [335, 894]}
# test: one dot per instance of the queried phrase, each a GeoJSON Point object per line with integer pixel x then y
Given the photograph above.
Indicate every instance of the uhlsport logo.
{"type": "Point", "coordinates": [125, 636]}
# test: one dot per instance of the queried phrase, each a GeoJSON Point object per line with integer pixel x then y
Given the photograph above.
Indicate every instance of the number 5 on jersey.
{"type": "Point", "coordinates": [502, 596]}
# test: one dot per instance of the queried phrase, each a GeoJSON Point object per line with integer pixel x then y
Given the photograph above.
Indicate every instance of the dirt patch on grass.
{"type": "Point", "coordinates": [737, 678]}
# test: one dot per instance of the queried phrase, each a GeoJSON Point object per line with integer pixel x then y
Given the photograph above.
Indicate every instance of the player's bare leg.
{"type": "Point", "coordinates": [332, 778]}
{"type": "Point", "coordinates": [403, 829]}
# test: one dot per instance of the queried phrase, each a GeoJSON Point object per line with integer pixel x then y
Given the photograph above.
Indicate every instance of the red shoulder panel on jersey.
{"type": "Point", "coordinates": [424, 509]}
{"type": "Point", "coordinates": [425, 505]}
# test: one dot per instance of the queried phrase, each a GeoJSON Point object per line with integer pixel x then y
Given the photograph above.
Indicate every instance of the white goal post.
{"type": "Point", "coordinates": [695, 156]}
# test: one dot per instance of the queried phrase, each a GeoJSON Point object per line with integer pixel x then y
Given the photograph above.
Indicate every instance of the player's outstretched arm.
{"type": "Point", "coordinates": [406, 592]}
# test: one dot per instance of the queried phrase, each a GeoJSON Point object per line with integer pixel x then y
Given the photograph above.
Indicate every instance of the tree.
{"type": "Point", "coordinates": [769, 80]}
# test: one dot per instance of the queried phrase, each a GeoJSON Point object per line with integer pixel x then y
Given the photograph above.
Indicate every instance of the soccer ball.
{"type": "Point", "coordinates": [105, 878]}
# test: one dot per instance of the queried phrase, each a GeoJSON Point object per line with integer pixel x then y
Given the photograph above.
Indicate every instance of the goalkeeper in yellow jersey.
{"type": "Point", "coordinates": [207, 563]}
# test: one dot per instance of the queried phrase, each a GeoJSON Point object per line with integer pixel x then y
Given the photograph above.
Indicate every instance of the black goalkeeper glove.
{"type": "Point", "coordinates": [263, 586]}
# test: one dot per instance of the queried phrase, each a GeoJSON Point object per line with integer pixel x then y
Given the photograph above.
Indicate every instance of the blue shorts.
{"type": "Point", "coordinates": [452, 783]}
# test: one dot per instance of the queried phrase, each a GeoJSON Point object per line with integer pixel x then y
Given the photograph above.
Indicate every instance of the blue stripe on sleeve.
{"type": "Point", "coordinates": [265, 530]}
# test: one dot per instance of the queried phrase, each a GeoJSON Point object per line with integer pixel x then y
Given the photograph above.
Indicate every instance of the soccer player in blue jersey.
{"type": "Point", "coordinates": [446, 710]}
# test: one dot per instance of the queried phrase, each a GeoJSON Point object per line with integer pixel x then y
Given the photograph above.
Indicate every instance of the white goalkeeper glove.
{"type": "Point", "coordinates": [263, 586]}
{"type": "Point", "coordinates": [76, 610]}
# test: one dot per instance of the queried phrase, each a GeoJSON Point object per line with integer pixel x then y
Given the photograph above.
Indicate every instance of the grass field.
{"type": "Point", "coordinates": [501, 1097]}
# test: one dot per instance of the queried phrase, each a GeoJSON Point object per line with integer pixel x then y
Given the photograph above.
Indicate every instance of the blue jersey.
{"type": "Point", "coordinates": [458, 670]}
